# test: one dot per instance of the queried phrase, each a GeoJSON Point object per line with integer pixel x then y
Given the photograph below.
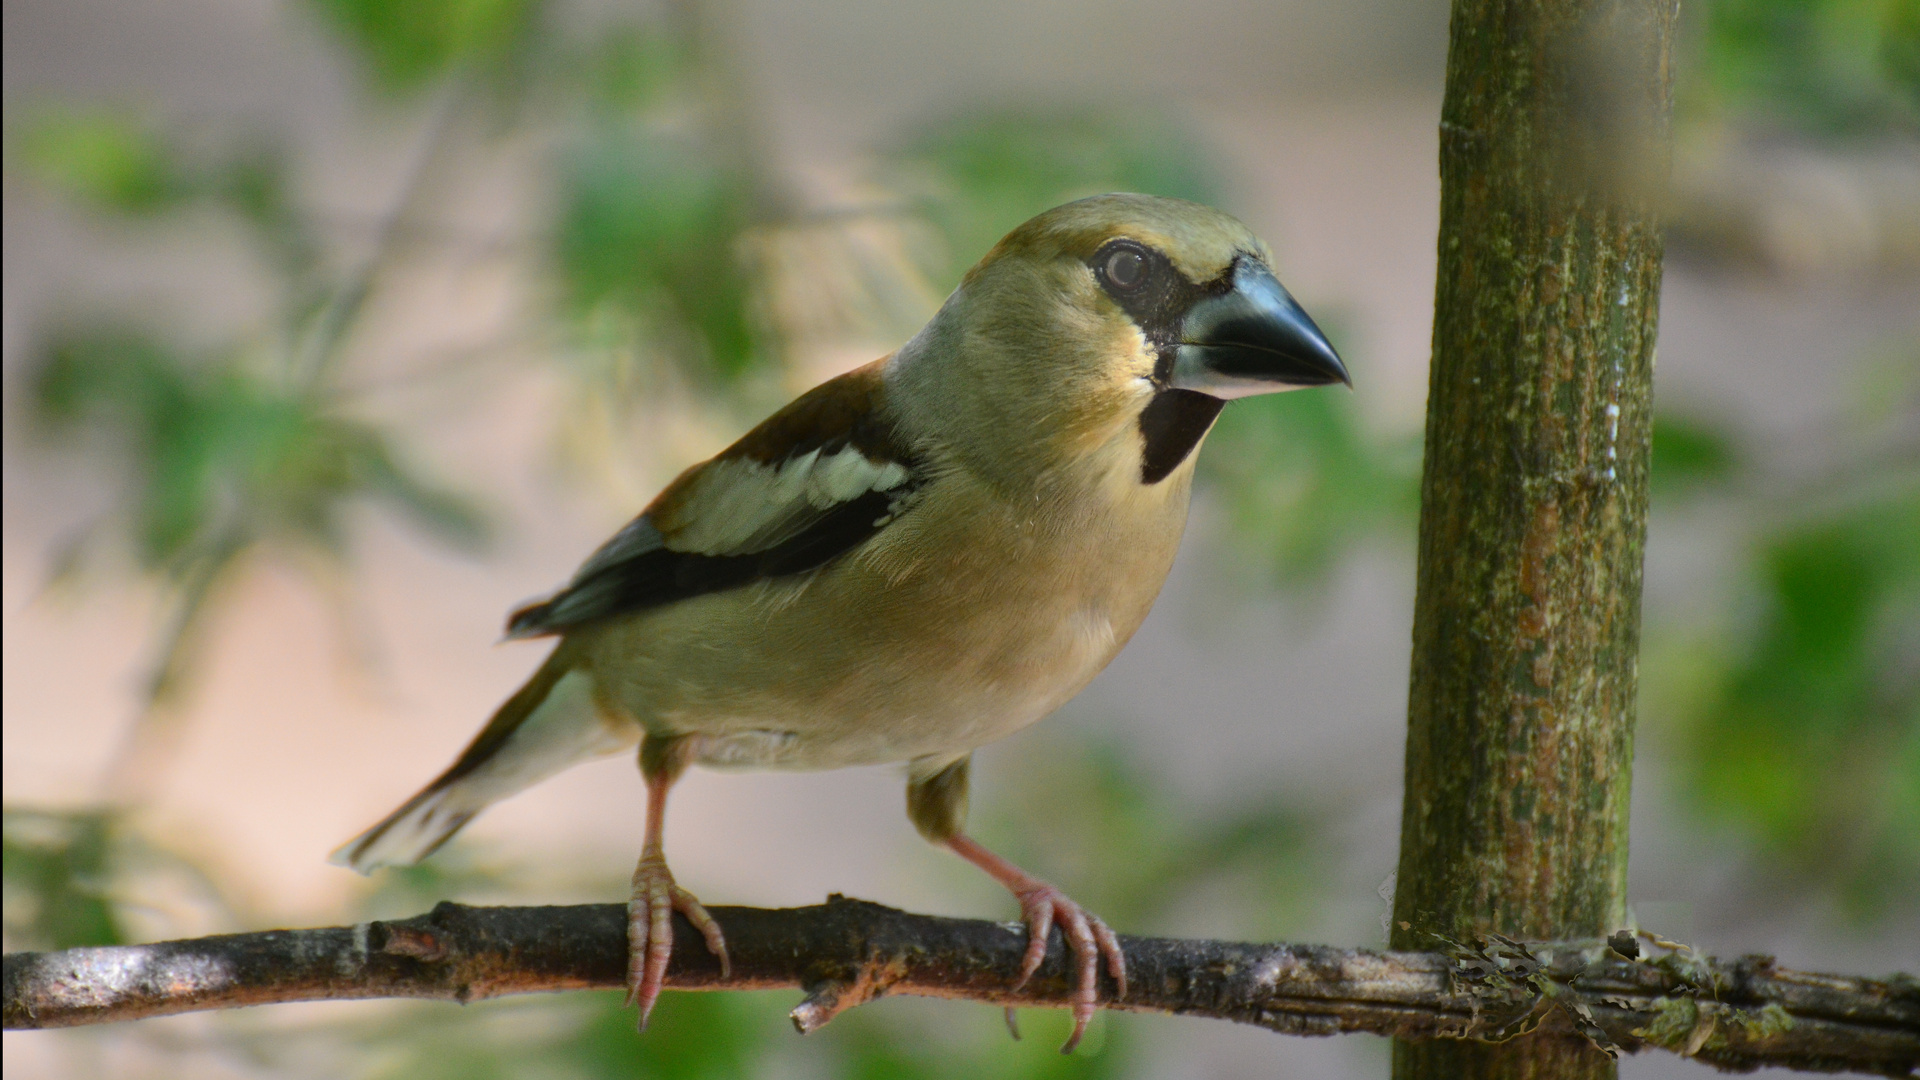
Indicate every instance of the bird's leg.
{"type": "Point", "coordinates": [937, 805]}
{"type": "Point", "coordinates": [655, 895]}
{"type": "Point", "coordinates": [1042, 905]}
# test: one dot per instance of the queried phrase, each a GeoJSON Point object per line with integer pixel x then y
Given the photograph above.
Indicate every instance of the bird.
{"type": "Point", "coordinates": [910, 560]}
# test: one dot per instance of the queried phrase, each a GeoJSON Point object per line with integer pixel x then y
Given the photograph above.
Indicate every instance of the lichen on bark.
{"type": "Point", "coordinates": [1534, 491]}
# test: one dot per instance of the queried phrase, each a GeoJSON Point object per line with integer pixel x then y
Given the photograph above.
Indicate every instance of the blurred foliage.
{"type": "Point", "coordinates": [406, 44]}
{"type": "Point", "coordinates": [222, 449]}
{"type": "Point", "coordinates": [1798, 136]}
{"type": "Point", "coordinates": [656, 219]}
{"type": "Point", "coordinates": [628, 68]}
{"type": "Point", "coordinates": [223, 455]}
{"type": "Point", "coordinates": [1303, 482]}
{"type": "Point", "coordinates": [101, 156]}
{"type": "Point", "coordinates": [56, 869]}
{"type": "Point", "coordinates": [87, 877]}
{"type": "Point", "coordinates": [651, 223]}
{"type": "Point", "coordinates": [1808, 734]}
{"type": "Point", "coordinates": [1828, 66]}
{"type": "Point", "coordinates": [1115, 841]}
{"type": "Point", "coordinates": [1689, 454]}
{"type": "Point", "coordinates": [1801, 726]}
{"type": "Point", "coordinates": [979, 175]}
{"type": "Point", "coordinates": [968, 1040]}
{"type": "Point", "coordinates": [1796, 717]}
{"type": "Point", "coordinates": [743, 1035]}
{"type": "Point", "coordinates": [696, 1036]}
{"type": "Point", "coordinates": [111, 161]}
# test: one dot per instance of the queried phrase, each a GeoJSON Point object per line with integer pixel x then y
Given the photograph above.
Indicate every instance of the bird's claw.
{"type": "Point", "coordinates": [650, 931]}
{"type": "Point", "coordinates": [1088, 938]}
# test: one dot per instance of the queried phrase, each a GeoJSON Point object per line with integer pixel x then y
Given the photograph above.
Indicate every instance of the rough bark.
{"type": "Point", "coordinates": [846, 952]}
{"type": "Point", "coordinates": [1534, 492]}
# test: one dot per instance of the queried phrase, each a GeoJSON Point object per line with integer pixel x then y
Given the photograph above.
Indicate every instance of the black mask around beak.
{"type": "Point", "coordinates": [1253, 339]}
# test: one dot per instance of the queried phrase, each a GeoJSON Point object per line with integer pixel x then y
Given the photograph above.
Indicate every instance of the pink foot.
{"type": "Point", "coordinates": [650, 931]}
{"type": "Point", "coordinates": [1042, 905]}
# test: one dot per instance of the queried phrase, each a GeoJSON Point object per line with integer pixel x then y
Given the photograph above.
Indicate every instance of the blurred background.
{"type": "Point", "coordinates": [334, 328]}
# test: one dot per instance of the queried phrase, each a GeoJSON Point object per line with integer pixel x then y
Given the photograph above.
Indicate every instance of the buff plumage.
{"type": "Point", "coordinates": [921, 556]}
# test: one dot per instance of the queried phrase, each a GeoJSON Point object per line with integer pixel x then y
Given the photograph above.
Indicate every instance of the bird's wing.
{"type": "Point", "coordinates": [815, 480]}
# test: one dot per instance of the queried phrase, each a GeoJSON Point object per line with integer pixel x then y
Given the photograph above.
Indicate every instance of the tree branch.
{"type": "Point", "coordinates": [1738, 1015]}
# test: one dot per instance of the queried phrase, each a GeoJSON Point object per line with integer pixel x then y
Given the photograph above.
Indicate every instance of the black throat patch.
{"type": "Point", "coordinates": [1171, 425]}
{"type": "Point", "coordinates": [1175, 421]}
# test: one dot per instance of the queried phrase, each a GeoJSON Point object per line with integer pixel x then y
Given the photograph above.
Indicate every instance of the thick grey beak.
{"type": "Point", "coordinates": [1252, 340]}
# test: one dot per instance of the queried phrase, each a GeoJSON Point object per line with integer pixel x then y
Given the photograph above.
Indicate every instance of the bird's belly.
{"type": "Point", "coordinates": [900, 700]}
{"type": "Point", "coordinates": [869, 661]}
{"type": "Point", "coordinates": [765, 684]}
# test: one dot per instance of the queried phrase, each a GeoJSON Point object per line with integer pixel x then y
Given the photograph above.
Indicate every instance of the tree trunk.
{"type": "Point", "coordinates": [1534, 493]}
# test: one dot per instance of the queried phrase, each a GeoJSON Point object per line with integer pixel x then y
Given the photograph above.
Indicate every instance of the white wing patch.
{"type": "Point", "coordinates": [740, 505]}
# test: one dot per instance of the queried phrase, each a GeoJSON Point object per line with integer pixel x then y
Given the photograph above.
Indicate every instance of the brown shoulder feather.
{"type": "Point", "coordinates": [813, 481]}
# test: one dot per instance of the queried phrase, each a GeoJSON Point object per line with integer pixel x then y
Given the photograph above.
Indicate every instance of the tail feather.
{"type": "Point", "coordinates": [551, 723]}
{"type": "Point", "coordinates": [409, 834]}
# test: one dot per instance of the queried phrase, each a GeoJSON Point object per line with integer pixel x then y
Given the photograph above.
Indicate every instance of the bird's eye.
{"type": "Point", "coordinates": [1126, 268]}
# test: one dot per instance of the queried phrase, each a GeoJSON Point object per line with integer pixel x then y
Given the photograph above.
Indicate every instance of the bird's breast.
{"type": "Point", "coordinates": [967, 619]}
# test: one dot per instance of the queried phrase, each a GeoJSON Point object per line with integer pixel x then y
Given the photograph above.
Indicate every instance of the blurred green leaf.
{"type": "Point", "coordinates": [651, 224]}
{"type": "Point", "coordinates": [88, 876]}
{"type": "Point", "coordinates": [631, 67]}
{"type": "Point", "coordinates": [1831, 66]}
{"type": "Point", "coordinates": [1689, 453]}
{"type": "Point", "coordinates": [983, 174]}
{"type": "Point", "coordinates": [972, 1041]}
{"type": "Point", "coordinates": [1303, 483]}
{"type": "Point", "coordinates": [1809, 739]}
{"type": "Point", "coordinates": [1900, 50]}
{"type": "Point", "coordinates": [102, 156]}
{"type": "Point", "coordinates": [219, 454]}
{"type": "Point", "coordinates": [254, 185]}
{"type": "Point", "coordinates": [56, 868]}
{"type": "Point", "coordinates": [408, 43]}
{"type": "Point", "coordinates": [116, 165]}
{"type": "Point", "coordinates": [695, 1036]}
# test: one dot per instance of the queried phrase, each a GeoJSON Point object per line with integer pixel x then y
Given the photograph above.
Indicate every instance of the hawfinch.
{"type": "Point", "coordinates": [909, 561]}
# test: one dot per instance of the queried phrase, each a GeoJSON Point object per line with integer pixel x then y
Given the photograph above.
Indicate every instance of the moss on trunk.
{"type": "Point", "coordinates": [1534, 491]}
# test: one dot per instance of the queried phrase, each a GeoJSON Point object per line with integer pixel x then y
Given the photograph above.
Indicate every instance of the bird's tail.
{"type": "Point", "coordinates": [547, 725]}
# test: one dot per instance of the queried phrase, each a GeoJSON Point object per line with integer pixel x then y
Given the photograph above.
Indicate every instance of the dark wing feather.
{"type": "Point", "coordinates": [813, 482]}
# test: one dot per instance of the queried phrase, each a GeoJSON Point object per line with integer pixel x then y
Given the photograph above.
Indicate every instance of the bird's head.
{"type": "Point", "coordinates": [1117, 323]}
